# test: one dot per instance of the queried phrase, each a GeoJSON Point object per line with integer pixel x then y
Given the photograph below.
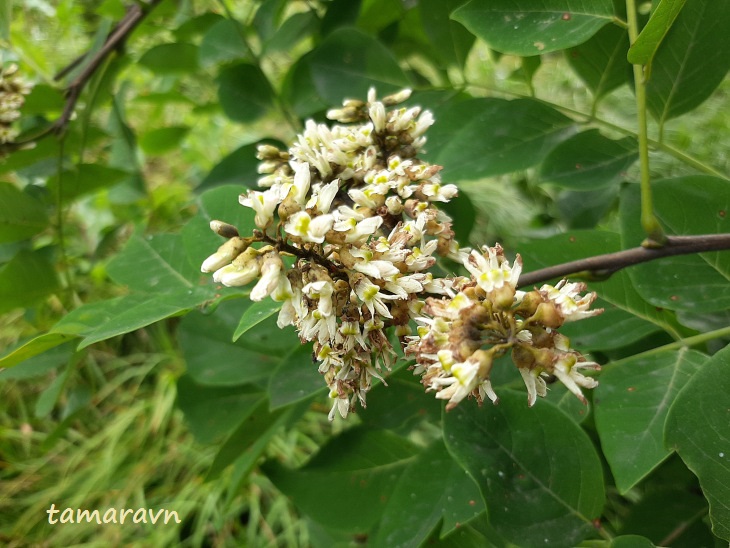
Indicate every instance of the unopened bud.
{"type": "Point", "coordinates": [223, 229]}
{"type": "Point", "coordinates": [396, 98]}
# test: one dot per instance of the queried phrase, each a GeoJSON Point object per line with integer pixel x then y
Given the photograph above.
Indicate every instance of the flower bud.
{"type": "Point", "coordinates": [225, 254]}
{"type": "Point", "coordinates": [223, 229]}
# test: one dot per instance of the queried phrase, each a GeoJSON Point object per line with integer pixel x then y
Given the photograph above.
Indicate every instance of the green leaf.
{"type": "Point", "coordinates": [6, 15]}
{"type": "Point", "coordinates": [376, 15]}
{"type": "Point", "coordinates": [631, 405]}
{"type": "Point", "coordinates": [299, 91]}
{"type": "Point", "coordinates": [698, 428]}
{"type": "Point", "coordinates": [295, 29]}
{"type": "Point", "coordinates": [451, 40]}
{"type": "Point", "coordinates": [248, 441]}
{"type": "Point", "coordinates": [526, 27]}
{"type": "Point", "coordinates": [642, 51]}
{"type": "Point", "coordinates": [42, 100]}
{"type": "Point", "coordinates": [463, 215]}
{"type": "Point", "coordinates": [692, 60]}
{"type": "Point", "coordinates": [173, 58]}
{"type": "Point", "coordinates": [684, 206]}
{"type": "Point", "coordinates": [601, 61]}
{"type": "Point", "coordinates": [617, 290]}
{"type": "Point", "coordinates": [244, 92]}
{"type": "Point", "coordinates": [296, 378]}
{"type": "Point", "coordinates": [211, 357]}
{"type": "Point", "coordinates": [589, 161]}
{"type": "Point", "coordinates": [83, 179]}
{"type": "Point", "coordinates": [537, 470]}
{"type": "Point", "coordinates": [668, 513]}
{"type": "Point", "coordinates": [255, 314]}
{"type": "Point", "coordinates": [26, 280]}
{"type": "Point", "coordinates": [219, 203]}
{"type": "Point", "coordinates": [214, 412]}
{"type": "Point", "coordinates": [240, 167]}
{"type": "Point", "coordinates": [21, 215]}
{"type": "Point", "coordinates": [631, 541]}
{"type": "Point", "coordinates": [222, 43]}
{"type": "Point", "coordinates": [586, 208]}
{"type": "Point", "coordinates": [431, 488]}
{"type": "Point", "coordinates": [49, 397]}
{"type": "Point", "coordinates": [401, 405]}
{"type": "Point", "coordinates": [164, 139]}
{"type": "Point", "coordinates": [362, 465]}
{"type": "Point", "coordinates": [196, 26]}
{"type": "Point", "coordinates": [612, 329]}
{"type": "Point", "coordinates": [39, 365]}
{"type": "Point", "coordinates": [484, 137]}
{"type": "Point", "coordinates": [348, 62]}
{"type": "Point", "coordinates": [28, 350]}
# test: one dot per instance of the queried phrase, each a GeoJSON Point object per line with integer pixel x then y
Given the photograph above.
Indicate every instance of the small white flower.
{"type": "Point", "coordinates": [309, 229]}
{"type": "Point", "coordinates": [321, 290]}
{"type": "Point", "coordinates": [271, 267]}
{"type": "Point", "coordinates": [571, 305]}
{"type": "Point", "coordinates": [370, 295]}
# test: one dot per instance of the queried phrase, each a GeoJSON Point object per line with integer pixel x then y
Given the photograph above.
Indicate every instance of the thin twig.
{"type": "Point", "coordinates": [134, 16]}
{"type": "Point", "coordinates": [602, 266]}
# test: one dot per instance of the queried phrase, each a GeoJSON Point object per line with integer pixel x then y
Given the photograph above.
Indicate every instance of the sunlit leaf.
{"type": "Point", "coordinates": [698, 428]}
{"type": "Point", "coordinates": [631, 405]}
{"type": "Point", "coordinates": [526, 27]}
{"type": "Point", "coordinates": [642, 51]}
{"type": "Point", "coordinates": [538, 471]}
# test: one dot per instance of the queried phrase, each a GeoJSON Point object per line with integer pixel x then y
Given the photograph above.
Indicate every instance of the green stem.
{"type": "Point", "coordinates": [648, 219]}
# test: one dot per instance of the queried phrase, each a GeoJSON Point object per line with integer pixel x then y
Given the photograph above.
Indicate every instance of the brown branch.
{"type": "Point", "coordinates": [603, 266]}
{"type": "Point", "coordinates": [116, 38]}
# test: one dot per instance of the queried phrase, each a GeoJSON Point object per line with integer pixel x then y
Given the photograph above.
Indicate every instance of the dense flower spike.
{"type": "Point", "coordinates": [356, 208]}
{"type": "Point", "coordinates": [12, 96]}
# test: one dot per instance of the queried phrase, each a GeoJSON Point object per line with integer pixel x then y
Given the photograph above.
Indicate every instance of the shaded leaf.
{"type": "Point", "coordinates": [42, 100]}
{"type": "Point", "coordinates": [223, 42]}
{"type": "Point", "coordinates": [450, 39]}
{"type": "Point", "coordinates": [526, 27]}
{"type": "Point", "coordinates": [348, 62]}
{"type": "Point", "coordinates": [631, 405]}
{"type": "Point", "coordinates": [538, 472]}
{"type": "Point", "coordinates": [292, 31]}
{"type": "Point", "coordinates": [601, 61]}
{"type": "Point", "coordinates": [21, 215]}
{"type": "Point", "coordinates": [255, 314]}
{"type": "Point", "coordinates": [213, 412]}
{"type": "Point", "coordinates": [691, 61]}
{"type": "Point", "coordinates": [586, 208]}
{"type": "Point", "coordinates": [172, 58]}
{"type": "Point", "coordinates": [698, 428]}
{"type": "Point", "coordinates": [588, 161]}
{"type": "Point", "coordinates": [25, 280]}
{"type": "Point", "coordinates": [83, 179]}
{"type": "Point", "coordinates": [164, 139]}
{"type": "Point", "coordinates": [364, 464]}
{"type": "Point", "coordinates": [484, 137]}
{"type": "Point", "coordinates": [431, 488]}
{"type": "Point", "coordinates": [299, 90]}
{"type": "Point", "coordinates": [239, 167]}
{"type": "Point", "coordinates": [296, 378]}
{"type": "Point", "coordinates": [683, 206]}
{"type": "Point", "coordinates": [244, 92]}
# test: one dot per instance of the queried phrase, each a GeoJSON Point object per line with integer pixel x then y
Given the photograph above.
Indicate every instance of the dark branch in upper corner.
{"type": "Point", "coordinates": [116, 38]}
{"type": "Point", "coordinates": [602, 266]}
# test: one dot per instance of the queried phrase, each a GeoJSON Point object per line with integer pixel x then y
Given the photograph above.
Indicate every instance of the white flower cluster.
{"type": "Point", "coordinates": [488, 311]}
{"type": "Point", "coordinates": [356, 208]}
{"type": "Point", "coordinates": [12, 96]}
